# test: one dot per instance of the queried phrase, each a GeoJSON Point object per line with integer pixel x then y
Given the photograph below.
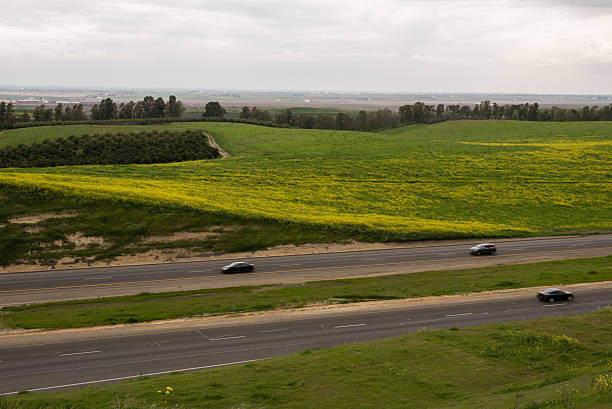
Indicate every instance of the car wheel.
{"type": "Point", "coordinates": [479, 253]}
{"type": "Point", "coordinates": [551, 299]}
{"type": "Point", "coordinates": [570, 297]}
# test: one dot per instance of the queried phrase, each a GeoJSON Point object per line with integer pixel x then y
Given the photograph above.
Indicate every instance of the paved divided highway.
{"type": "Point", "coordinates": [49, 365]}
{"type": "Point", "coordinates": [36, 286]}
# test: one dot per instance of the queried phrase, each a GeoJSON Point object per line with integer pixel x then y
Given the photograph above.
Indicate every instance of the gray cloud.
{"type": "Point", "coordinates": [394, 45]}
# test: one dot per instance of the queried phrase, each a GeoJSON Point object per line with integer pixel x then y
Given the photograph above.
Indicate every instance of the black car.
{"type": "Point", "coordinates": [484, 248]}
{"type": "Point", "coordinates": [238, 267]}
{"type": "Point", "coordinates": [554, 294]}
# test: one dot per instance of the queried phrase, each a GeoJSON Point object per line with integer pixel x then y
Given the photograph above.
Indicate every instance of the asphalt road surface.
{"type": "Point", "coordinates": [50, 366]}
{"type": "Point", "coordinates": [16, 288]}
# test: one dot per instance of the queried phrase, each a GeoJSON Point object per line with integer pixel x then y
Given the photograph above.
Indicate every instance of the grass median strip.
{"type": "Point", "coordinates": [157, 306]}
{"type": "Point", "coordinates": [550, 363]}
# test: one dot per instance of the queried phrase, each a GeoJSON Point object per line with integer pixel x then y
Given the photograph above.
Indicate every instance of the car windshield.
{"type": "Point", "coordinates": [550, 290]}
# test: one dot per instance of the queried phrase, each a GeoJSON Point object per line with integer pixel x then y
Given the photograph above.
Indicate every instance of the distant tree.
{"type": "Point", "coordinates": [159, 108]}
{"type": "Point", "coordinates": [175, 109]}
{"type": "Point", "coordinates": [325, 121]}
{"type": "Point", "coordinates": [306, 121]}
{"type": "Point", "coordinates": [77, 113]}
{"type": "Point", "coordinates": [107, 109]}
{"type": "Point", "coordinates": [285, 117]}
{"type": "Point", "coordinates": [260, 114]}
{"type": "Point", "coordinates": [126, 111]}
{"type": "Point", "coordinates": [7, 116]}
{"type": "Point", "coordinates": [213, 110]}
{"type": "Point", "coordinates": [245, 113]}
{"type": "Point", "coordinates": [139, 111]}
{"type": "Point", "coordinates": [59, 112]}
{"type": "Point", "coordinates": [41, 113]}
{"type": "Point", "coordinates": [406, 113]}
{"type": "Point", "coordinates": [532, 112]}
{"type": "Point", "coordinates": [361, 122]}
{"type": "Point", "coordinates": [148, 104]}
{"type": "Point", "coordinates": [343, 121]}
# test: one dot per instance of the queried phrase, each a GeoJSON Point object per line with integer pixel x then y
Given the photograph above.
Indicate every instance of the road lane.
{"type": "Point", "coordinates": [53, 364]}
{"type": "Point", "coordinates": [296, 267]}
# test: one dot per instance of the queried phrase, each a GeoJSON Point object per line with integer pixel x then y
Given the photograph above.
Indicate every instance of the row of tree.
{"type": "Point", "coordinates": [422, 113]}
{"type": "Point", "coordinates": [149, 107]}
{"type": "Point", "coordinates": [363, 121]}
{"type": "Point", "coordinates": [135, 147]}
{"type": "Point", "coordinates": [60, 113]}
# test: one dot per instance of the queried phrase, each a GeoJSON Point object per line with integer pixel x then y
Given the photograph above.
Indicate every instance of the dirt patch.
{"type": "Point", "coordinates": [214, 144]}
{"type": "Point", "coordinates": [180, 236]}
{"type": "Point", "coordinates": [37, 218]}
{"type": "Point", "coordinates": [82, 241]}
{"type": "Point", "coordinates": [32, 229]}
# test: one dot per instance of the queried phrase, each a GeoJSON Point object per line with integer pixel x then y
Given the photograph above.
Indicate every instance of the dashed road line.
{"type": "Point", "coordinates": [459, 315]}
{"type": "Point", "coordinates": [80, 353]}
{"type": "Point", "coordinates": [275, 330]}
{"type": "Point", "coordinates": [224, 338]}
{"type": "Point", "coordinates": [349, 326]}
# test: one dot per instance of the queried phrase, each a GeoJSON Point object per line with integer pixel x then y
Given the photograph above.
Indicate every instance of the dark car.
{"type": "Point", "coordinates": [238, 267]}
{"type": "Point", "coordinates": [554, 294]}
{"type": "Point", "coordinates": [484, 248]}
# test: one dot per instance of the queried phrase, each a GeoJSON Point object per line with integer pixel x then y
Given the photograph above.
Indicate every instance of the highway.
{"type": "Point", "coordinates": [38, 363]}
{"type": "Point", "coordinates": [80, 283]}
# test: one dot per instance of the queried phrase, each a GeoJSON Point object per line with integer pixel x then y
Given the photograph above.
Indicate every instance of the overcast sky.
{"type": "Point", "coordinates": [530, 46]}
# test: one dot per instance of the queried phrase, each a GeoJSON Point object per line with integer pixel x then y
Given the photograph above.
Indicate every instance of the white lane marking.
{"type": "Point", "coordinates": [459, 315]}
{"type": "Point", "coordinates": [223, 338]}
{"type": "Point", "coordinates": [204, 336]}
{"type": "Point", "coordinates": [554, 305]}
{"type": "Point", "coordinates": [373, 259]}
{"type": "Point", "coordinates": [520, 309]}
{"type": "Point", "coordinates": [97, 278]}
{"type": "Point", "coordinates": [80, 353]}
{"type": "Point", "coordinates": [348, 326]}
{"type": "Point", "coordinates": [133, 376]}
{"type": "Point", "coordinates": [275, 330]}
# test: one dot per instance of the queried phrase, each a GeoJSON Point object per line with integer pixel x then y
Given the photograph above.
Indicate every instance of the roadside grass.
{"type": "Point", "coordinates": [548, 363]}
{"type": "Point", "coordinates": [123, 225]}
{"type": "Point", "coordinates": [159, 306]}
{"type": "Point", "coordinates": [455, 179]}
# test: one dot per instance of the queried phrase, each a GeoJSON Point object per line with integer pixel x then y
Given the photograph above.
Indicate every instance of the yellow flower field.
{"type": "Point", "coordinates": [455, 179]}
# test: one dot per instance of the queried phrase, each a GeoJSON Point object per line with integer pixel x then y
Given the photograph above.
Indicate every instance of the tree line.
{"type": "Point", "coordinates": [106, 149]}
{"type": "Point", "coordinates": [149, 107]}
{"type": "Point", "coordinates": [422, 113]}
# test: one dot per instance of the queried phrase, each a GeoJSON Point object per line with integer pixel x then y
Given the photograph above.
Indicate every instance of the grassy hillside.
{"type": "Point", "coordinates": [453, 179]}
{"type": "Point", "coordinates": [551, 363]}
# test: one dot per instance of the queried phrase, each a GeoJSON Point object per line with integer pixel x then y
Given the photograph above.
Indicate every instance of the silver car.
{"type": "Point", "coordinates": [484, 248]}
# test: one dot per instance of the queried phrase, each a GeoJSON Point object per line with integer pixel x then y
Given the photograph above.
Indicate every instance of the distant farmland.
{"type": "Point", "coordinates": [449, 180]}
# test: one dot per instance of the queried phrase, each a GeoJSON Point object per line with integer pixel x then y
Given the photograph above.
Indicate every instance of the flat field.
{"type": "Point", "coordinates": [448, 180]}
{"type": "Point", "coordinates": [544, 364]}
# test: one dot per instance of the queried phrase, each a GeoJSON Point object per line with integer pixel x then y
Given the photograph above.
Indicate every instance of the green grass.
{"type": "Point", "coordinates": [123, 225]}
{"type": "Point", "coordinates": [549, 363]}
{"type": "Point", "coordinates": [149, 307]}
{"type": "Point", "coordinates": [448, 180]}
